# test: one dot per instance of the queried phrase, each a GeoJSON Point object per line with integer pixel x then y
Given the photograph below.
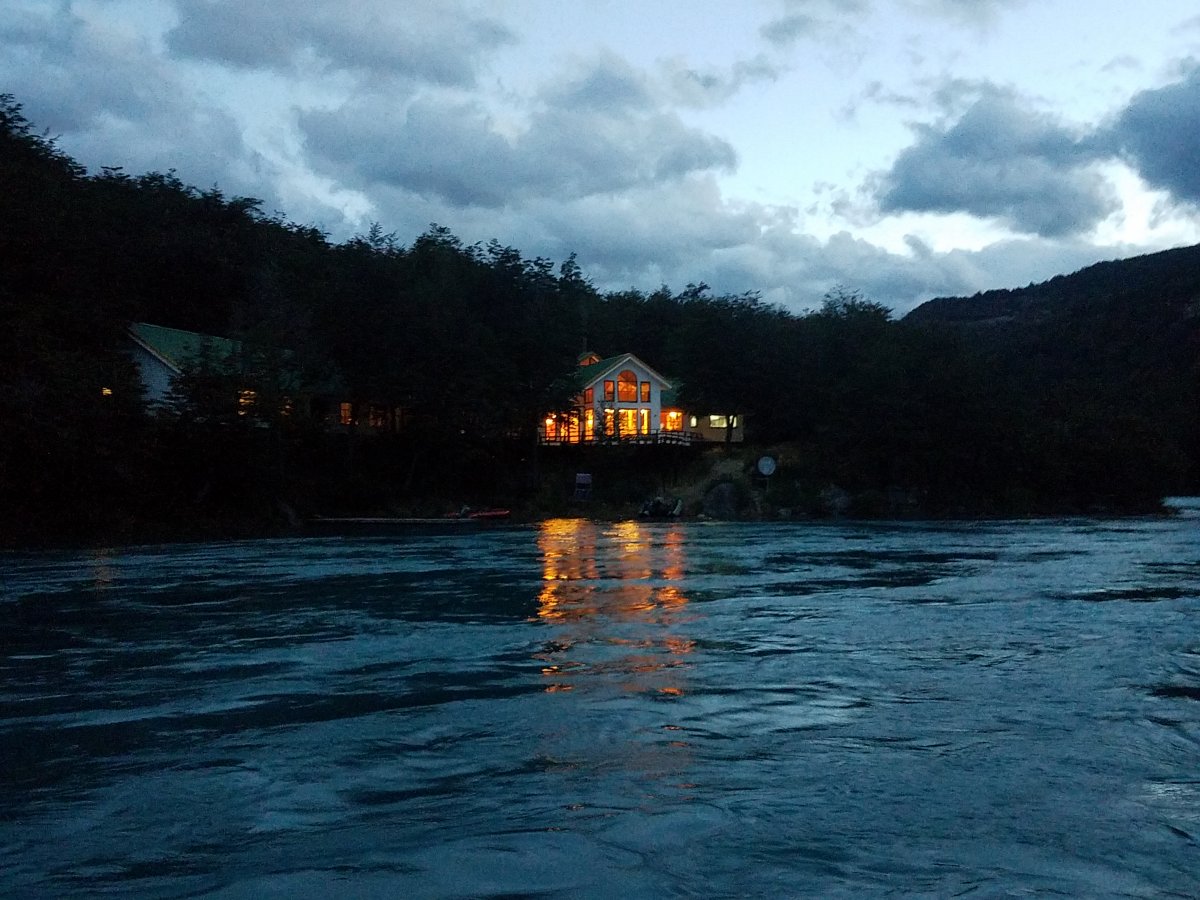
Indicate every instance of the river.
{"type": "Point", "coordinates": [581, 709]}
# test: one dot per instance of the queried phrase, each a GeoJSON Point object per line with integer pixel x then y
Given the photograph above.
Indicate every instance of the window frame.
{"type": "Point", "coordinates": [627, 386]}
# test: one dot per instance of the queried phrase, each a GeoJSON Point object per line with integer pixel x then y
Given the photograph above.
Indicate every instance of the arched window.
{"type": "Point", "coordinates": [627, 387]}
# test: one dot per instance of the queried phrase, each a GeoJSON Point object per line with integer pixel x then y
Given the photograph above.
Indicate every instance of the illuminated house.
{"type": "Point", "coordinates": [623, 399]}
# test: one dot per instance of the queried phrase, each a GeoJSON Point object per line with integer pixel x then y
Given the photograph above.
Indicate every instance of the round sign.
{"type": "Point", "coordinates": [766, 465]}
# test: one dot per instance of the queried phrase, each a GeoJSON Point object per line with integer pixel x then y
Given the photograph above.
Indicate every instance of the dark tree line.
{"type": "Point", "coordinates": [475, 342]}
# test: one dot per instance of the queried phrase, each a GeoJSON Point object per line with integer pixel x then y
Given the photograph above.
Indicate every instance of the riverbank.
{"type": "Point", "coordinates": [715, 484]}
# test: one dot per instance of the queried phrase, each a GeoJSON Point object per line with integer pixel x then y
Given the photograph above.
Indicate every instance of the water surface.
{"type": "Point", "coordinates": [583, 709]}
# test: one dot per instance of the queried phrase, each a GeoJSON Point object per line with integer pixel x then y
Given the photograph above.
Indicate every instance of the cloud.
{"type": "Point", "coordinates": [1158, 134]}
{"type": "Point", "coordinates": [441, 43]}
{"type": "Point", "coordinates": [700, 88]}
{"type": "Point", "coordinates": [977, 13]}
{"type": "Point", "coordinates": [1000, 160]}
{"type": "Point", "coordinates": [791, 28]}
{"type": "Point", "coordinates": [809, 19]}
{"type": "Point", "coordinates": [113, 102]}
{"type": "Point", "coordinates": [600, 131]}
{"type": "Point", "coordinates": [607, 83]}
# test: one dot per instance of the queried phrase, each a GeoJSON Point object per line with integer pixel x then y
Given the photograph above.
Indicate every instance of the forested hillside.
{"type": "Point", "coordinates": [1080, 397]}
{"type": "Point", "coordinates": [1113, 350]}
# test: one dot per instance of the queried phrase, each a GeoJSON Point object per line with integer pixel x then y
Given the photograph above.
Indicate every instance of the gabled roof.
{"type": "Point", "coordinates": [591, 373]}
{"type": "Point", "coordinates": [175, 348]}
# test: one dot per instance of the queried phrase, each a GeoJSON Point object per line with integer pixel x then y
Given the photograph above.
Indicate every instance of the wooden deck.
{"type": "Point", "coordinates": [661, 438]}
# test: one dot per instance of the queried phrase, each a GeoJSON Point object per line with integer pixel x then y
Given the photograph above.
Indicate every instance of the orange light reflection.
{"type": "Point", "coordinates": [601, 581]}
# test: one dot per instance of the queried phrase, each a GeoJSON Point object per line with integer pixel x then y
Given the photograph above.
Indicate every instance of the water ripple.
{"type": "Point", "coordinates": [632, 709]}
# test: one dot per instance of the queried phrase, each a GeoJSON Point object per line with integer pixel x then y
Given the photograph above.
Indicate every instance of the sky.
{"type": "Point", "coordinates": [905, 149]}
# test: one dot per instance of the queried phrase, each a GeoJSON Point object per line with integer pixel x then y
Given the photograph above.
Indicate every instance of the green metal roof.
{"type": "Point", "coordinates": [587, 374]}
{"type": "Point", "coordinates": [177, 348]}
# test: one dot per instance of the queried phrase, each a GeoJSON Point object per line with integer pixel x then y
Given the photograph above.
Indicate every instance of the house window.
{"type": "Point", "coordinates": [627, 386]}
{"type": "Point", "coordinates": [609, 421]}
{"type": "Point", "coordinates": [645, 392]}
{"type": "Point", "coordinates": [643, 420]}
{"type": "Point", "coordinates": [627, 419]}
{"type": "Point", "coordinates": [346, 413]}
{"type": "Point", "coordinates": [246, 401]}
{"type": "Point", "coordinates": [609, 390]}
{"type": "Point", "coordinates": [589, 424]}
{"type": "Point", "coordinates": [692, 423]}
{"type": "Point", "coordinates": [671, 420]}
{"type": "Point", "coordinates": [722, 421]}
{"type": "Point", "coordinates": [551, 428]}
{"type": "Point", "coordinates": [589, 396]}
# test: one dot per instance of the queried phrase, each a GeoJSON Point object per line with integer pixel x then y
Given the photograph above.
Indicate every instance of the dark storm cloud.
{"type": "Point", "coordinates": [1158, 134]}
{"type": "Point", "coordinates": [440, 43]}
{"type": "Point", "coordinates": [1001, 160]}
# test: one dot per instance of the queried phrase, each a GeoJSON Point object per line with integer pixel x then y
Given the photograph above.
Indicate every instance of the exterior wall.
{"type": "Point", "coordinates": [708, 431]}
{"type": "Point", "coordinates": [156, 375]}
{"type": "Point", "coordinates": [687, 428]}
{"type": "Point", "coordinates": [600, 405]}
{"type": "Point", "coordinates": [641, 417]}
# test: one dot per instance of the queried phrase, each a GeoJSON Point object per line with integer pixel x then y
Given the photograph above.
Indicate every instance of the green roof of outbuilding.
{"type": "Point", "coordinates": [177, 348]}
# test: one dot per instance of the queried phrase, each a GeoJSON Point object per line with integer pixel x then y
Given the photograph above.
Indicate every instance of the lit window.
{"type": "Point", "coordinates": [718, 422]}
{"type": "Point", "coordinates": [645, 392]}
{"type": "Point", "coordinates": [643, 421]}
{"type": "Point", "coordinates": [246, 401]}
{"type": "Point", "coordinates": [589, 396]}
{"type": "Point", "coordinates": [692, 422]}
{"type": "Point", "coordinates": [609, 421]}
{"type": "Point", "coordinates": [105, 392]}
{"type": "Point", "coordinates": [671, 420]}
{"type": "Point", "coordinates": [551, 429]}
{"type": "Point", "coordinates": [589, 424]}
{"type": "Point", "coordinates": [627, 387]}
{"type": "Point", "coordinates": [609, 389]}
{"type": "Point", "coordinates": [346, 414]}
{"type": "Point", "coordinates": [627, 421]}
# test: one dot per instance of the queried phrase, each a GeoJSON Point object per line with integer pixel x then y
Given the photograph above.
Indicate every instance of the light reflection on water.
{"type": "Point", "coordinates": [609, 709]}
{"type": "Point", "coordinates": [588, 593]}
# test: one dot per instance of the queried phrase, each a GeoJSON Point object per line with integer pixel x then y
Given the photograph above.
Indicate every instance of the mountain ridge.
{"type": "Point", "coordinates": [1172, 275]}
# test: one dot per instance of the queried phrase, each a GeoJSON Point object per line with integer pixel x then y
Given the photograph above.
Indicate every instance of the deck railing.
{"type": "Point", "coordinates": [669, 438]}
